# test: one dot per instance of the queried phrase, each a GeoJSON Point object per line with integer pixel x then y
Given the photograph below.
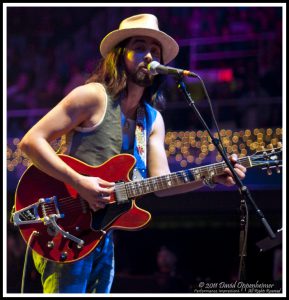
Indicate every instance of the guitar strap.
{"type": "Point", "coordinates": [140, 144]}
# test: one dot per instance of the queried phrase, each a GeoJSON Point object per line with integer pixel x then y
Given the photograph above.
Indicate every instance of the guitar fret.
{"type": "Point", "coordinates": [137, 187]}
{"type": "Point", "coordinates": [180, 178]}
{"type": "Point", "coordinates": [185, 178]}
{"type": "Point", "coordinates": [219, 168]}
{"type": "Point", "coordinates": [147, 186]}
{"type": "Point", "coordinates": [169, 183]}
{"type": "Point", "coordinates": [132, 189]}
{"type": "Point", "coordinates": [161, 186]}
{"type": "Point", "coordinates": [153, 184]}
{"type": "Point", "coordinates": [158, 184]}
{"type": "Point", "coordinates": [174, 179]}
{"type": "Point", "coordinates": [197, 173]}
{"type": "Point", "coordinates": [128, 189]}
{"type": "Point", "coordinates": [163, 183]}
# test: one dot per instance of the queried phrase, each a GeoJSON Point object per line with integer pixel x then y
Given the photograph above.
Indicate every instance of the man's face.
{"type": "Point", "coordinates": [139, 52]}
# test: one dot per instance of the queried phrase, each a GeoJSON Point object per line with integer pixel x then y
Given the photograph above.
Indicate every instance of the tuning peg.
{"type": "Point", "coordinates": [278, 169]}
{"type": "Point", "coordinates": [269, 171]}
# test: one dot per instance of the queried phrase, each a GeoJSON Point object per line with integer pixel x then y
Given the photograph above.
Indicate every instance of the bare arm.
{"type": "Point", "coordinates": [74, 109]}
{"type": "Point", "coordinates": [158, 164]}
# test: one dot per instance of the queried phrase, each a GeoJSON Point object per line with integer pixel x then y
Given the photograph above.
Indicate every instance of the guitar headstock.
{"type": "Point", "coordinates": [268, 159]}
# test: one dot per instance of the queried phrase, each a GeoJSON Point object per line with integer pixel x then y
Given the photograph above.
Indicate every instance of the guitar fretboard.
{"type": "Point", "coordinates": [158, 183]}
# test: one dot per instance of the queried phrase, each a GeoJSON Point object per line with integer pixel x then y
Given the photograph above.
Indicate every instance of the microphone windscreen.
{"type": "Point", "coordinates": [152, 67]}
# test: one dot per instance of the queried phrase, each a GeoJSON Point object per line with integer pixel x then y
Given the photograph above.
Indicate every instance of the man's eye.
{"type": "Point", "coordinates": [156, 53]}
{"type": "Point", "coordinates": [139, 48]}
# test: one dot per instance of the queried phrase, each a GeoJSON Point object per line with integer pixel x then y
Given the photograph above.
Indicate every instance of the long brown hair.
{"type": "Point", "coordinates": [110, 71]}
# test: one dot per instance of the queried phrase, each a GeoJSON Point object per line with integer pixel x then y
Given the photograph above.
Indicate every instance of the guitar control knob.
{"type": "Point", "coordinates": [50, 244]}
{"type": "Point", "coordinates": [63, 256]}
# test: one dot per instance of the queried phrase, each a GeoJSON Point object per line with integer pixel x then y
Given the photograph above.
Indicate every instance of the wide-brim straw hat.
{"type": "Point", "coordinates": [141, 25]}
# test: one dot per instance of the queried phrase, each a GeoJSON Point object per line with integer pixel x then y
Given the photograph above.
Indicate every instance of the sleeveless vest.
{"type": "Point", "coordinates": [97, 144]}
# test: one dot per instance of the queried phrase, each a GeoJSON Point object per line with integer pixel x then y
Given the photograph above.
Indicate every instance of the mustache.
{"type": "Point", "coordinates": [143, 65]}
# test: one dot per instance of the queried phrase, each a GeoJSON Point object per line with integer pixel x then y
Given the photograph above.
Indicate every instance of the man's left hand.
{"type": "Point", "coordinates": [227, 178]}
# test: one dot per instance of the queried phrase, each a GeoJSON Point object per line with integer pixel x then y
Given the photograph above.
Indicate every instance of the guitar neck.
{"type": "Point", "coordinates": [158, 183]}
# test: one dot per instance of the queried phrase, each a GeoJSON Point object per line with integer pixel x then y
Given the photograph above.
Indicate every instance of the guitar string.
{"type": "Point", "coordinates": [150, 182]}
{"type": "Point", "coordinates": [67, 202]}
{"type": "Point", "coordinates": [69, 206]}
{"type": "Point", "coordinates": [179, 176]}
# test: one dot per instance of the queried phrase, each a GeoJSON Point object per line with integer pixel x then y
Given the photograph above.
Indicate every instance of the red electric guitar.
{"type": "Point", "coordinates": [58, 224]}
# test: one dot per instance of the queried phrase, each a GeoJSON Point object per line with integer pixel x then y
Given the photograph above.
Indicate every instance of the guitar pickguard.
{"type": "Point", "coordinates": [102, 218]}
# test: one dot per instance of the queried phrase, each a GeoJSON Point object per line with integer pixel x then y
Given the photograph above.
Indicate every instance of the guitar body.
{"type": "Point", "coordinates": [76, 217]}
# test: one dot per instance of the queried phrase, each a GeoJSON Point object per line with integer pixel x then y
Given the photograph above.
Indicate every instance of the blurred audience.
{"type": "Point", "coordinates": [167, 276]}
{"type": "Point", "coordinates": [56, 49]}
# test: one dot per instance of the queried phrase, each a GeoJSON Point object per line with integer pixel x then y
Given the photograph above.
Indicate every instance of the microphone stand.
{"type": "Point", "coordinates": [243, 239]}
{"type": "Point", "coordinates": [244, 191]}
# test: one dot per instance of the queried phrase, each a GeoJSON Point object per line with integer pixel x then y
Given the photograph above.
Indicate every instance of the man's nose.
{"type": "Point", "coordinates": [148, 57]}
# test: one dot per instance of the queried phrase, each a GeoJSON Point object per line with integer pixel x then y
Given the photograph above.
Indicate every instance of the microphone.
{"type": "Point", "coordinates": [156, 68]}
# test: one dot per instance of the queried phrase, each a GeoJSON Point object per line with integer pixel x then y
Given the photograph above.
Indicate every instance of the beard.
{"type": "Point", "coordinates": [140, 78]}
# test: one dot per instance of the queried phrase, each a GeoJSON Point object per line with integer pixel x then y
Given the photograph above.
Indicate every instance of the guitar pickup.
{"type": "Point", "coordinates": [121, 193]}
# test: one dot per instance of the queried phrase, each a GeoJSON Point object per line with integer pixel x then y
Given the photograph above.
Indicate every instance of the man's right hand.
{"type": "Point", "coordinates": [95, 191]}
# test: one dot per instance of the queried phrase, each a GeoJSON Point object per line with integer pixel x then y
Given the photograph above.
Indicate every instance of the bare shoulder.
{"type": "Point", "coordinates": [87, 96]}
{"type": "Point", "coordinates": [158, 125]}
{"type": "Point", "coordinates": [159, 117]}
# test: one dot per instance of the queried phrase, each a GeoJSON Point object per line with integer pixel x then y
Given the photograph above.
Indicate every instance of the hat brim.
{"type": "Point", "coordinates": [170, 48]}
